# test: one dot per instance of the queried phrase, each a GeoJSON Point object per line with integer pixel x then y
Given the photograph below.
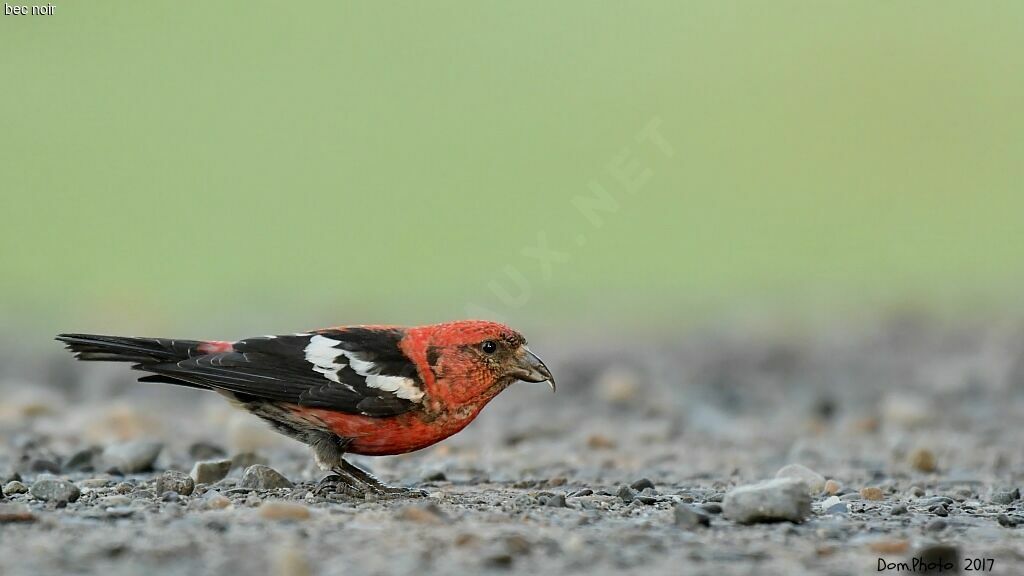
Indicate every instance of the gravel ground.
{"type": "Point", "coordinates": [896, 443]}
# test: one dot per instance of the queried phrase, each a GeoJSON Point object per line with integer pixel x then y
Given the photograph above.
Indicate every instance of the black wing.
{"type": "Point", "coordinates": [352, 370]}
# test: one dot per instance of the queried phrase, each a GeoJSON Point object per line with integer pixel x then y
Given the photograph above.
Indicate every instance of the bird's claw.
{"type": "Point", "coordinates": [338, 484]}
{"type": "Point", "coordinates": [366, 487]}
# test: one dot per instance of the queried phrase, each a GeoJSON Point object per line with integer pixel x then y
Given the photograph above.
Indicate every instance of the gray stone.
{"type": "Point", "coordinates": [642, 484]}
{"type": "Point", "coordinates": [838, 508]}
{"type": "Point", "coordinates": [1007, 521]}
{"type": "Point", "coordinates": [81, 461]}
{"type": "Point", "coordinates": [712, 508]}
{"type": "Point", "coordinates": [687, 516]}
{"type": "Point", "coordinates": [44, 465]}
{"type": "Point", "coordinates": [815, 482]}
{"type": "Point", "coordinates": [768, 501]}
{"type": "Point", "coordinates": [206, 451]}
{"type": "Point", "coordinates": [260, 477]}
{"type": "Point", "coordinates": [176, 482]}
{"type": "Point", "coordinates": [54, 490]}
{"type": "Point", "coordinates": [246, 459]}
{"type": "Point", "coordinates": [114, 501]}
{"type": "Point", "coordinates": [210, 471]}
{"type": "Point", "coordinates": [214, 500]}
{"type": "Point", "coordinates": [553, 501]}
{"type": "Point", "coordinates": [626, 494]}
{"type": "Point", "coordinates": [132, 457]}
{"type": "Point", "coordinates": [1006, 496]}
{"type": "Point", "coordinates": [15, 487]}
{"type": "Point", "coordinates": [94, 483]}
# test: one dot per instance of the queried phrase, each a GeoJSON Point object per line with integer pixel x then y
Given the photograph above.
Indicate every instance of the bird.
{"type": "Point", "coordinates": [370, 390]}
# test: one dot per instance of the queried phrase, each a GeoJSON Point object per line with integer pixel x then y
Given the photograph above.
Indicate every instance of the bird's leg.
{"type": "Point", "coordinates": [340, 482]}
{"type": "Point", "coordinates": [373, 484]}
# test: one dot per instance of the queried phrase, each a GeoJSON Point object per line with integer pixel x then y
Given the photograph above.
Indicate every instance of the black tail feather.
{"type": "Point", "coordinates": [160, 378]}
{"type": "Point", "coordinates": [95, 347]}
{"type": "Point", "coordinates": [142, 352]}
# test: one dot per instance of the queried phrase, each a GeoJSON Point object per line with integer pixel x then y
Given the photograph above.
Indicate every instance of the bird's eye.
{"type": "Point", "coordinates": [489, 347]}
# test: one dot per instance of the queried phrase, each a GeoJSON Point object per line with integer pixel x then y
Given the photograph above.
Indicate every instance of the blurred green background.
{"type": "Point", "coordinates": [234, 167]}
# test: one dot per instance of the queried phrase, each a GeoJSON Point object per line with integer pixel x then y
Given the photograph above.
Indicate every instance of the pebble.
{"type": "Point", "coordinates": [916, 491]}
{"type": "Point", "coordinates": [833, 505]}
{"type": "Point", "coordinates": [423, 514]}
{"type": "Point", "coordinates": [112, 501]}
{"type": "Point", "coordinates": [1006, 521]}
{"type": "Point", "coordinates": [553, 501]}
{"type": "Point", "coordinates": [214, 500]}
{"type": "Point", "coordinates": [642, 484]}
{"type": "Point", "coordinates": [832, 487]}
{"type": "Point", "coordinates": [626, 494]}
{"type": "Point", "coordinates": [923, 459]}
{"type": "Point", "coordinates": [898, 510]}
{"type": "Point", "coordinates": [889, 546]}
{"type": "Point", "coordinates": [206, 451]}
{"type": "Point", "coordinates": [94, 483]}
{"type": "Point", "coordinates": [435, 476]}
{"type": "Point", "coordinates": [687, 516]}
{"type": "Point", "coordinates": [281, 510]}
{"type": "Point", "coordinates": [15, 513]}
{"type": "Point", "coordinates": [712, 508]}
{"type": "Point", "coordinates": [936, 526]}
{"type": "Point", "coordinates": [1006, 496]}
{"type": "Point", "coordinates": [44, 465]}
{"type": "Point", "coordinates": [132, 457]}
{"type": "Point", "coordinates": [55, 490]}
{"type": "Point", "coordinates": [599, 442]}
{"type": "Point", "coordinates": [261, 477]}
{"type": "Point", "coordinates": [176, 482]}
{"type": "Point", "coordinates": [906, 410]}
{"type": "Point", "coordinates": [768, 501]}
{"type": "Point", "coordinates": [81, 461]}
{"type": "Point", "coordinates": [815, 482]}
{"type": "Point", "coordinates": [15, 487]}
{"type": "Point", "coordinates": [247, 459]}
{"type": "Point", "coordinates": [872, 493]}
{"type": "Point", "coordinates": [124, 488]}
{"type": "Point", "coordinates": [210, 471]}
{"type": "Point", "coordinates": [939, 510]}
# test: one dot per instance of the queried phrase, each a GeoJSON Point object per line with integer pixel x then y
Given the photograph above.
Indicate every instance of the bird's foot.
{"type": "Point", "coordinates": [374, 486]}
{"type": "Point", "coordinates": [339, 484]}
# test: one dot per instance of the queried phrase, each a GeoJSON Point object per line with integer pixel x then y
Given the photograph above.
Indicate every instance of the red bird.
{"type": "Point", "coordinates": [370, 390]}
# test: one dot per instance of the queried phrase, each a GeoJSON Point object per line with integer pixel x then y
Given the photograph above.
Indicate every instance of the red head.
{"type": "Point", "coordinates": [474, 360]}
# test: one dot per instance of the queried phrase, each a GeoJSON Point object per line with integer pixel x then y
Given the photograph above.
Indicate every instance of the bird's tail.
{"type": "Point", "coordinates": [127, 349]}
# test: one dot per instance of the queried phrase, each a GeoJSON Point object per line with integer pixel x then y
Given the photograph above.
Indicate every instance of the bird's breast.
{"type": "Point", "coordinates": [395, 434]}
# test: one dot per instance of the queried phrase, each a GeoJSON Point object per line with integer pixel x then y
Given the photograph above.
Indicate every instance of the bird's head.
{"type": "Point", "coordinates": [476, 358]}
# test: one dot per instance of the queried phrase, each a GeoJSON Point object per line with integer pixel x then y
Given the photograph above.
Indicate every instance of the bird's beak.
{"type": "Point", "coordinates": [532, 369]}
